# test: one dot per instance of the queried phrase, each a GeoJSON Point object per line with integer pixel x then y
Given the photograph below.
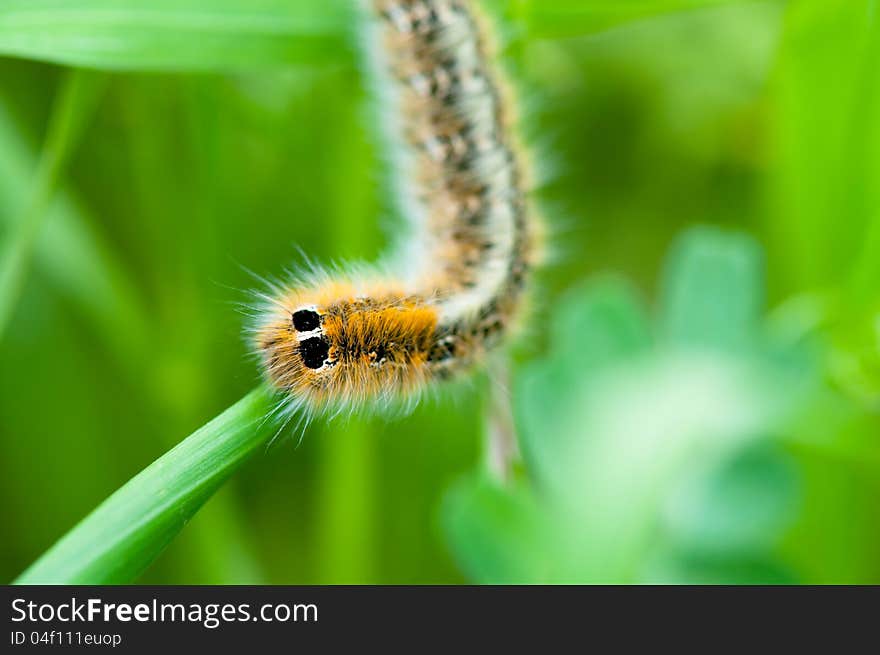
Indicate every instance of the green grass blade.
{"type": "Point", "coordinates": [190, 35]}
{"type": "Point", "coordinates": [118, 540]}
{"type": "Point", "coordinates": [77, 98]}
{"type": "Point", "coordinates": [866, 270]}
{"type": "Point", "coordinates": [823, 197]}
{"type": "Point", "coordinates": [71, 254]}
{"type": "Point", "coordinates": [823, 189]}
{"type": "Point", "coordinates": [175, 35]}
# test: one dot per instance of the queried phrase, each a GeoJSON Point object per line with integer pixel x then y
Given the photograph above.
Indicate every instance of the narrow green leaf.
{"type": "Point", "coordinates": [117, 541]}
{"type": "Point", "coordinates": [191, 35]}
{"type": "Point", "coordinates": [76, 100]}
{"type": "Point", "coordinates": [71, 254]}
{"type": "Point", "coordinates": [825, 214]}
{"type": "Point", "coordinates": [175, 35]}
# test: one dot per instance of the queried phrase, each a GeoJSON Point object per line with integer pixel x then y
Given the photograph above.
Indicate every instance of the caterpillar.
{"type": "Point", "coordinates": [356, 338]}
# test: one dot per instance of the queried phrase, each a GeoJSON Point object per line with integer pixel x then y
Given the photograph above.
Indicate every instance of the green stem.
{"type": "Point", "coordinates": [76, 100]}
{"type": "Point", "coordinates": [119, 539]}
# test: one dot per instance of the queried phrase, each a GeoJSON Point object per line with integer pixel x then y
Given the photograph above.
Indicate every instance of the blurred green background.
{"type": "Point", "coordinates": [693, 405]}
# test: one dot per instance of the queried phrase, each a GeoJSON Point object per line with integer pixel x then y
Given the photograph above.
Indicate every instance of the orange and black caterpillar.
{"type": "Point", "coordinates": [353, 339]}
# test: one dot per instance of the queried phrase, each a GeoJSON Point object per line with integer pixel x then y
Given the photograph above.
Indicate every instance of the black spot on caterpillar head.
{"type": "Point", "coordinates": [314, 351]}
{"type": "Point", "coordinates": [379, 355]}
{"type": "Point", "coordinates": [305, 320]}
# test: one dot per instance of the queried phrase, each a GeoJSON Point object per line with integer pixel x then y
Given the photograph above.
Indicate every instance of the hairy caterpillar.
{"type": "Point", "coordinates": [357, 338]}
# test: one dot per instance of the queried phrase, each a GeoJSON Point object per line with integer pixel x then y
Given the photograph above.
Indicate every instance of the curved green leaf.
{"type": "Point", "coordinates": [118, 540]}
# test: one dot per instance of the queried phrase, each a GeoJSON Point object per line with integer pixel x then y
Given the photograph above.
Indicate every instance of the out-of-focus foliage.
{"type": "Point", "coordinates": [78, 97]}
{"type": "Point", "coordinates": [730, 438]}
{"type": "Point", "coordinates": [663, 453]}
{"type": "Point", "coordinates": [827, 134]}
{"type": "Point", "coordinates": [562, 18]}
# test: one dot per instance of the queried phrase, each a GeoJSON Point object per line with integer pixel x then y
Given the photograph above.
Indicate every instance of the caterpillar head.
{"type": "Point", "coordinates": [331, 345]}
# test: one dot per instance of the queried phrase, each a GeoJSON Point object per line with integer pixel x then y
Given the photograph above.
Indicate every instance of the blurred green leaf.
{"type": "Point", "coordinates": [600, 325]}
{"type": "Point", "coordinates": [595, 327]}
{"type": "Point", "coordinates": [70, 252]}
{"type": "Point", "coordinates": [687, 569]}
{"type": "Point", "coordinates": [741, 507]}
{"type": "Point", "coordinates": [78, 96]}
{"type": "Point", "coordinates": [855, 361]}
{"type": "Point", "coordinates": [826, 199]}
{"type": "Point", "coordinates": [176, 35]}
{"type": "Point", "coordinates": [117, 541]}
{"type": "Point", "coordinates": [828, 141]}
{"type": "Point", "coordinates": [560, 18]}
{"type": "Point", "coordinates": [611, 423]}
{"type": "Point", "coordinates": [712, 290]}
{"type": "Point", "coordinates": [500, 536]}
{"type": "Point", "coordinates": [837, 537]}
